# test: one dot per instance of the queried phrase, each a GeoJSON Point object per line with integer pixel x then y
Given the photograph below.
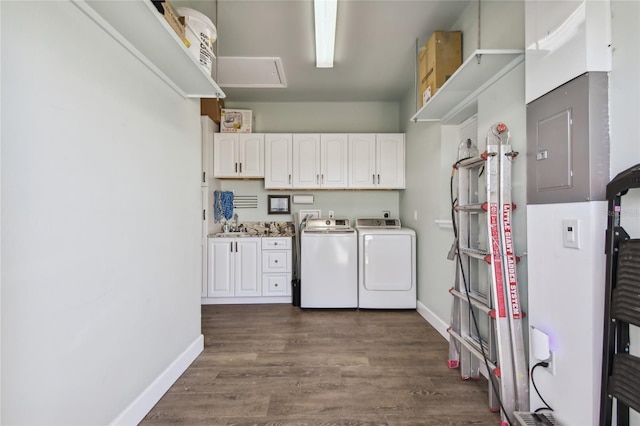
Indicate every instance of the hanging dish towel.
{"type": "Point", "coordinates": [222, 205]}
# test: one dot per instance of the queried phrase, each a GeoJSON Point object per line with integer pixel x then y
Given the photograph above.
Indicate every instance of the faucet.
{"type": "Point", "coordinates": [235, 219]}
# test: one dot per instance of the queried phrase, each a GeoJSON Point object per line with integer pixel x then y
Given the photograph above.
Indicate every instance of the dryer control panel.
{"type": "Point", "coordinates": [378, 222]}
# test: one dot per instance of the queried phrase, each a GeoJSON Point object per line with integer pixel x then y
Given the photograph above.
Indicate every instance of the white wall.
{"type": "Point", "coordinates": [327, 117]}
{"type": "Point", "coordinates": [566, 288]}
{"type": "Point", "coordinates": [566, 285]}
{"type": "Point", "coordinates": [100, 229]}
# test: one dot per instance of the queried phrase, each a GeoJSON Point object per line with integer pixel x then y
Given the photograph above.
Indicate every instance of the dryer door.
{"type": "Point", "coordinates": [387, 262]}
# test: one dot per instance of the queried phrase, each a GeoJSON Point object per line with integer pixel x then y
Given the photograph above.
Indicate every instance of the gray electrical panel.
{"type": "Point", "coordinates": [568, 142]}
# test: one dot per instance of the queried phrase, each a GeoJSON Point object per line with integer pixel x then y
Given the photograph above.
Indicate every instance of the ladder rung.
{"type": "Point", "coordinates": [476, 301]}
{"type": "Point", "coordinates": [472, 208]}
{"type": "Point", "coordinates": [477, 253]}
{"type": "Point", "coordinates": [474, 350]}
{"type": "Point", "coordinates": [471, 162]}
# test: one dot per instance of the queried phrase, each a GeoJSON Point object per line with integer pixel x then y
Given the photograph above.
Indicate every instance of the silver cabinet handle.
{"type": "Point", "coordinates": [289, 179]}
{"type": "Point", "coordinates": [231, 246]}
{"type": "Point", "coordinates": [322, 179]}
{"type": "Point", "coordinates": [240, 167]}
{"type": "Point", "coordinates": [236, 167]}
{"type": "Point", "coordinates": [317, 178]}
{"type": "Point", "coordinates": [378, 178]}
{"type": "Point", "coordinates": [236, 246]}
{"type": "Point", "coordinates": [373, 179]}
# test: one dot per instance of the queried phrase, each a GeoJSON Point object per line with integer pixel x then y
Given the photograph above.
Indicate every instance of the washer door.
{"type": "Point", "coordinates": [387, 262]}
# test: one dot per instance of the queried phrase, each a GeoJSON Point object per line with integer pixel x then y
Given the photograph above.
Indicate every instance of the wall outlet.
{"type": "Point", "coordinates": [330, 213]}
{"type": "Point", "coordinates": [551, 368]}
{"type": "Point", "coordinates": [386, 214]}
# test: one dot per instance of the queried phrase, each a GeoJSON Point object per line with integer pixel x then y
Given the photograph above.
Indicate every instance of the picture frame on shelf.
{"type": "Point", "coordinates": [279, 204]}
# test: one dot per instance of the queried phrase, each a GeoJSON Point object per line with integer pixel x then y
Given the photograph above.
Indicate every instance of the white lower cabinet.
{"type": "Point", "coordinates": [276, 266]}
{"type": "Point", "coordinates": [234, 267]}
{"type": "Point", "coordinates": [248, 270]}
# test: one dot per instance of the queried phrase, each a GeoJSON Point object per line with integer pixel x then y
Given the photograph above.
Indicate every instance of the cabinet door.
{"type": "Point", "coordinates": [390, 160]}
{"type": "Point", "coordinates": [248, 272]}
{"type": "Point", "coordinates": [277, 161]}
{"type": "Point", "coordinates": [306, 161]}
{"type": "Point", "coordinates": [220, 262]}
{"type": "Point", "coordinates": [207, 128]}
{"type": "Point", "coordinates": [251, 155]}
{"type": "Point", "coordinates": [362, 160]}
{"type": "Point", "coordinates": [225, 155]}
{"type": "Point", "coordinates": [333, 161]}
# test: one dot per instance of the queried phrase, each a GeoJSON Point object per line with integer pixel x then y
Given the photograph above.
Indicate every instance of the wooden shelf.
{"type": "Point", "coordinates": [457, 99]}
{"type": "Point", "coordinates": [142, 30]}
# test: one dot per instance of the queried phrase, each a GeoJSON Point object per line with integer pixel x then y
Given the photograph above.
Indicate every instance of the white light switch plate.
{"type": "Point", "coordinates": [571, 233]}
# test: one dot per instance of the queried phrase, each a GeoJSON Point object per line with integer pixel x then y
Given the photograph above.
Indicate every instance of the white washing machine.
{"type": "Point", "coordinates": [328, 264]}
{"type": "Point", "coordinates": [386, 264]}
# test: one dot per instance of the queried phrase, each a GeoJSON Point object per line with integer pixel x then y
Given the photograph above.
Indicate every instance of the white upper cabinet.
{"type": "Point", "coordinates": [334, 163]}
{"type": "Point", "coordinates": [320, 161]}
{"type": "Point", "coordinates": [306, 161]}
{"type": "Point", "coordinates": [390, 160]}
{"type": "Point", "coordinates": [278, 159]}
{"type": "Point", "coordinates": [362, 160]}
{"type": "Point", "coordinates": [377, 161]}
{"type": "Point", "coordinates": [238, 155]}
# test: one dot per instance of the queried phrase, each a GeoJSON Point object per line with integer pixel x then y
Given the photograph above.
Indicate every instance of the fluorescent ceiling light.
{"type": "Point", "coordinates": [325, 12]}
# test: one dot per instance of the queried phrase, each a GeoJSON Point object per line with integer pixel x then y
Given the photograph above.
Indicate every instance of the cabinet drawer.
{"type": "Point", "coordinates": [276, 261]}
{"type": "Point", "coordinates": [276, 284]}
{"type": "Point", "coordinates": [276, 243]}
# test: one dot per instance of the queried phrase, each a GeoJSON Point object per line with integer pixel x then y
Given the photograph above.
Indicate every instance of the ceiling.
{"type": "Point", "coordinates": [374, 53]}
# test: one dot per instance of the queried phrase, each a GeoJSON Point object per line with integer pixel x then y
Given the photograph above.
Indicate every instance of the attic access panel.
{"type": "Point", "coordinates": [251, 72]}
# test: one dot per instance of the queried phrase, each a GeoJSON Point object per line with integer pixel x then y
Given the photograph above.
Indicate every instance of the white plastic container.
{"type": "Point", "coordinates": [201, 33]}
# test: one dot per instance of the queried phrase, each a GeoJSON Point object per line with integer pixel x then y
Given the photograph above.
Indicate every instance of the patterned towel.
{"type": "Point", "coordinates": [222, 205]}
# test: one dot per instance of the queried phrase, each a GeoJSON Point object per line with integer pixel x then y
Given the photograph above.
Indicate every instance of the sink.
{"type": "Point", "coordinates": [232, 234]}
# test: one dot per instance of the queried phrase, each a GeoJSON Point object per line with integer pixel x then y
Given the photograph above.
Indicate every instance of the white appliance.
{"type": "Point", "coordinates": [329, 264]}
{"type": "Point", "coordinates": [386, 264]}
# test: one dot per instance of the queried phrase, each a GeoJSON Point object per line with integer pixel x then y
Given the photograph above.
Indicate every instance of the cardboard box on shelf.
{"type": "Point", "coordinates": [171, 16]}
{"type": "Point", "coordinates": [236, 121]}
{"type": "Point", "coordinates": [439, 59]}
{"type": "Point", "coordinates": [212, 107]}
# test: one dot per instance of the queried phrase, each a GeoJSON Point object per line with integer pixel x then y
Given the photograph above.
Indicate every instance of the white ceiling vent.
{"type": "Point", "coordinates": [236, 71]}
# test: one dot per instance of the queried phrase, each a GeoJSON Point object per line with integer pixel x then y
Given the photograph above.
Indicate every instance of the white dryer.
{"type": "Point", "coordinates": [386, 264]}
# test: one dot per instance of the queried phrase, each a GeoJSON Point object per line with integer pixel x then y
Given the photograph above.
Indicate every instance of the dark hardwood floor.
{"type": "Point", "coordinates": [280, 365]}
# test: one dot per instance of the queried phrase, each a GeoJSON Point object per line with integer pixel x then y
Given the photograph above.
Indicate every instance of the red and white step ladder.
{"type": "Point", "coordinates": [486, 285]}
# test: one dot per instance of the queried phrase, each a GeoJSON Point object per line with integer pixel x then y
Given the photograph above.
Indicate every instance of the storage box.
{"type": "Point", "coordinates": [173, 19]}
{"type": "Point", "coordinates": [236, 121]}
{"type": "Point", "coordinates": [440, 58]}
{"type": "Point", "coordinates": [212, 108]}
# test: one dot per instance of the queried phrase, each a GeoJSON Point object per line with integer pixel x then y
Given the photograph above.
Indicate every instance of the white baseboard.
{"type": "Point", "coordinates": [434, 320]}
{"type": "Point", "coordinates": [135, 412]}
{"type": "Point", "coordinates": [244, 300]}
